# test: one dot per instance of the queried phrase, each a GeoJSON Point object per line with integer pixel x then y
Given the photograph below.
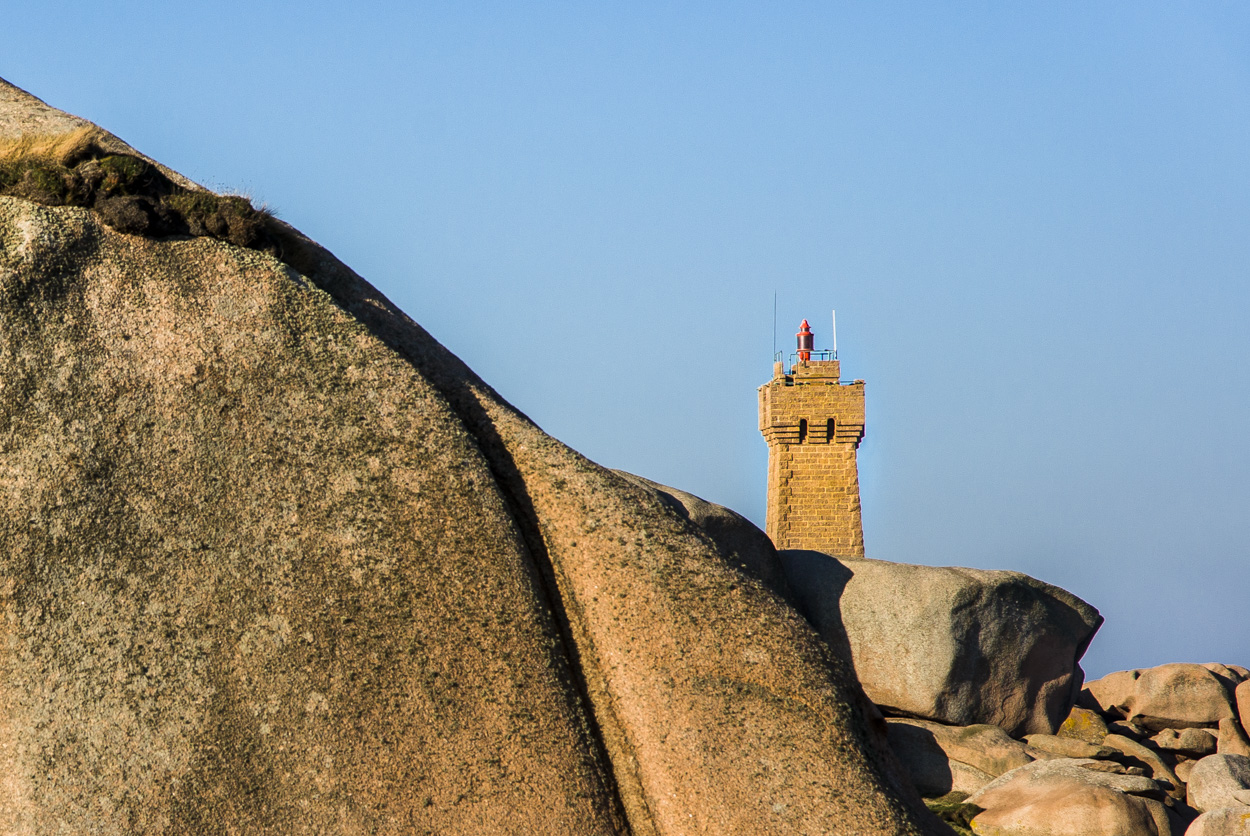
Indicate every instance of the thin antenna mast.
{"type": "Point", "coordinates": [835, 334]}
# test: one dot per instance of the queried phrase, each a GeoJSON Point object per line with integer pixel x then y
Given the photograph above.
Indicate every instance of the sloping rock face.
{"type": "Point", "coordinates": [959, 646]}
{"type": "Point", "coordinates": [738, 539]}
{"type": "Point", "coordinates": [274, 561]}
{"type": "Point", "coordinates": [943, 759]}
{"type": "Point", "coordinates": [987, 748]}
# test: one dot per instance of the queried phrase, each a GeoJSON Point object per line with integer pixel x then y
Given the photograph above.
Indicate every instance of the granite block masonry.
{"type": "Point", "coordinates": [813, 423]}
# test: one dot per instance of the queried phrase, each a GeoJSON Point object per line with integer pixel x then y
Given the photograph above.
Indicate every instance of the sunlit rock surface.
{"type": "Point", "coordinates": [273, 560]}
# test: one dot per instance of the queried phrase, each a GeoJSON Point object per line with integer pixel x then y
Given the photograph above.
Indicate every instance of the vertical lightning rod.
{"type": "Point", "coordinates": [835, 335]}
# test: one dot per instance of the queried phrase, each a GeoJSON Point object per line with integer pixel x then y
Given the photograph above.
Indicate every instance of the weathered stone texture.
{"type": "Point", "coordinates": [959, 646]}
{"type": "Point", "coordinates": [1219, 781]}
{"type": "Point", "coordinates": [1150, 760]}
{"type": "Point", "coordinates": [943, 758]}
{"type": "Point", "coordinates": [1174, 696]}
{"type": "Point", "coordinates": [1227, 821]}
{"type": "Point", "coordinates": [813, 425]}
{"type": "Point", "coordinates": [1084, 724]}
{"type": "Point", "coordinates": [1063, 798]}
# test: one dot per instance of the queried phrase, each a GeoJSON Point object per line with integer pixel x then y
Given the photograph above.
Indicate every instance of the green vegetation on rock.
{"type": "Point", "coordinates": [129, 193]}
{"type": "Point", "coordinates": [951, 809]}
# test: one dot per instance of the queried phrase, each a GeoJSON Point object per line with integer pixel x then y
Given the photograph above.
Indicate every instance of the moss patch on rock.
{"type": "Point", "coordinates": [130, 194]}
{"type": "Point", "coordinates": [952, 810]}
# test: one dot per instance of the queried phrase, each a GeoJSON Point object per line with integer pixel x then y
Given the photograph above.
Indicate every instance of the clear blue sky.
{"type": "Point", "coordinates": [1033, 220]}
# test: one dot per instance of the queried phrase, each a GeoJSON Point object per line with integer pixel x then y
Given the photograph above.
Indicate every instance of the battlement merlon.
{"type": "Point", "coordinates": [811, 370]}
{"type": "Point", "coordinates": [811, 404]}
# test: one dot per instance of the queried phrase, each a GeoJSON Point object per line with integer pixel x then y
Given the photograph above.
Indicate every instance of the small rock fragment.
{"type": "Point", "coordinates": [1068, 747]}
{"type": "Point", "coordinates": [1041, 754]}
{"type": "Point", "coordinates": [1126, 729]}
{"type": "Point", "coordinates": [1232, 739]}
{"type": "Point", "coordinates": [1113, 767]}
{"type": "Point", "coordinates": [1083, 724]}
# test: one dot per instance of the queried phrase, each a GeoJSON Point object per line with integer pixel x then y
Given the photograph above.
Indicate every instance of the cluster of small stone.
{"type": "Point", "coordinates": [1162, 751]}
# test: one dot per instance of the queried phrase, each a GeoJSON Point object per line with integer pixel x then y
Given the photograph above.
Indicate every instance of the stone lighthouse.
{"type": "Point", "coordinates": [813, 423]}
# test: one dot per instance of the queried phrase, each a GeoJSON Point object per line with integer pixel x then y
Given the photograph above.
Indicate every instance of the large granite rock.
{"type": "Point", "coordinates": [1070, 798]}
{"type": "Point", "coordinates": [959, 646]}
{"type": "Point", "coordinates": [1175, 696]}
{"type": "Point", "coordinates": [273, 560]}
{"type": "Point", "coordinates": [1226, 821]}
{"type": "Point", "coordinates": [1219, 781]}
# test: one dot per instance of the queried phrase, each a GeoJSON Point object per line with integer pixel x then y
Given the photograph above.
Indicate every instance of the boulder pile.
{"type": "Point", "coordinates": [979, 675]}
{"type": "Point", "coordinates": [1163, 751]}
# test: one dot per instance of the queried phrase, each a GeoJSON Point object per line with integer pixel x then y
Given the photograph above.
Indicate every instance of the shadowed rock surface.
{"type": "Point", "coordinates": [988, 748]}
{"type": "Point", "coordinates": [274, 561]}
{"type": "Point", "coordinates": [939, 764]}
{"type": "Point", "coordinates": [1158, 769]}
{"type": "Point", "coordinates": [959, 646]}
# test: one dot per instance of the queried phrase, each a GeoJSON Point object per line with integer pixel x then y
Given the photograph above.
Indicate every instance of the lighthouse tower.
{"type": "Point", "coordinates": [813, 423]}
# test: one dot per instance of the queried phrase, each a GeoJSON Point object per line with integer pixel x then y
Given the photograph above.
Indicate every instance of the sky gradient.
{"type": "Point", "coordinates": [1033, 223]}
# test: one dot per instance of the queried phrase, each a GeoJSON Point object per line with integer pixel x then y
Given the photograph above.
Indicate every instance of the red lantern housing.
{"type": "Point", "coordinates": [806, 341]}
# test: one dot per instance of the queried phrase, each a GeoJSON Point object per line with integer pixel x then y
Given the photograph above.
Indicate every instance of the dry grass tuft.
{"type": "Point", "coordinates": [67, 149]}
{"type": "Point", "coordinates": [127, 192]}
